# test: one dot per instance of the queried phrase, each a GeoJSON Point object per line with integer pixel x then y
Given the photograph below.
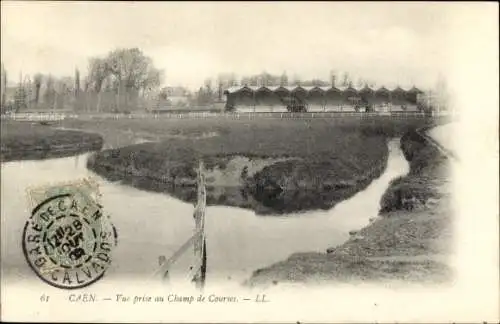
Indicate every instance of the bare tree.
{"type": "Point", "coordinates": [4, 86]}
{"type": "Point", "coordinates": [134, 71]}
{"type": "Point", "coordinates": [227, 80]}
{"type": "Point", "coordinates": [346, 79]}
{"type": "Point", "coordinates": [360, 82]}
{"type": "Point", "coordinates": [253, 81]}
{"type": "Point", "coordinates": [208, 85]}
{"type": "Point", "coordinates": [65, 90]}
{"type": "Point", "coordinates": [77, 83]}
{"type": "Point", "coordinates": [50, 92]}
{"type": "Point", "coordinates": [333, 78]}
{"type": "Point", "coordinates": [284, 79]}
{"type": "Point", "coordinates": [37, 82]}
{"type": "Point", "coordinates": [97, 72]}
{"type": "Point", "coordinates": [265, 79]}
{"type": "Point", "coordinates": [296, 81]}
{"type": "Point", "coordinates": [245, 81]}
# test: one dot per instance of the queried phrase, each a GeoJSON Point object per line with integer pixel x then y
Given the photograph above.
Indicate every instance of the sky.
{"type": "Point", "coordinates": [390, 43]}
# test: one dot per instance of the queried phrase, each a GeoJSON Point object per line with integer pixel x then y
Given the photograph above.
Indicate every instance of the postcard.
{"type": "Point", "coordinates": [249, 162]}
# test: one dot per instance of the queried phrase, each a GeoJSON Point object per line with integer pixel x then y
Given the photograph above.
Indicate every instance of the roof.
{"type": "Point", "coordinates": [415, 89]}
{"type": "Point", "coordinates": [315, 88]}
{"type": "Point", "coordinates": [365, 88]}
{"type": "Point", "coordinates": [382, 88]}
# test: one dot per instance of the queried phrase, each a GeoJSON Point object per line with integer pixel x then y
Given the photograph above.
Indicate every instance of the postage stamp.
{"type": "Point", "coordinates": [291, 162]}
{"type": "Point", "coordinates": [68, 239]}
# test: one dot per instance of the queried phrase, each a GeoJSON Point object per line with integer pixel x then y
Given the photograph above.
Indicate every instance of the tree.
{"type": "Point", "coordinates": [77, 83]}
{"type": "Point", "coordinates": [346, 80]}
{"type": "Point", "coordinates": [203, 97]}
{"type": "Point", "coordinates": [226, 80]}
{"type": "Point", "coordinates": [265, 79]}
{"type": "Point", "coordinates": [127, 71]}
{"type": "Point", "coordinates": [86, 84]}
{"type": "Point", "coordinates": [133, 71]}
{"type": "Point", "coordinates": [4, 86]}
{"type": "Point", "coordinates": [360, 82]}
{"type": "Point", "coordinates": [50, 92]}
{"type": "Point", "coordinates": [296, 81]}
{"type": "Point", "coordinates": [333, 78]}
{"type": "Point", "coordinates": [28, 90]}
{"type": "Point", "coordinates": [220, 87]}
{"type": "Point", "coordinates": [245, 81]}
{"type": "Point", "coordinates": [442, 95]}
{"type": "Point", "coordinates": [152, 80]}
{"type": "Point", "coordinates": [20, 96]}
{"type": "Point", "coordinates": [97, 73]}
{"type": "Point", "coordinates": [253, 81]}
{"type": "Point", "coordinates": [64, 89]}
{"type": "Point", "coordinates": [315, 83]}
{"type": "Point", "coordinates": [284, 79]}
{"type": "Point", "coordinates": [37, 82]}
{"type": "Point", "coordinates": [208, 86]}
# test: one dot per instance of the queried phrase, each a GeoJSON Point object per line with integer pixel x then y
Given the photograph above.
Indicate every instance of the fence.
{"type": "Point", "coordinates": [197, 241]}
{"type": "Point", "coordinates": [231, 115]}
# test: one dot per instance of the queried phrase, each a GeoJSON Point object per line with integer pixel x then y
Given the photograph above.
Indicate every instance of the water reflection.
{"type": "Point", "coordinates": [153, 224]}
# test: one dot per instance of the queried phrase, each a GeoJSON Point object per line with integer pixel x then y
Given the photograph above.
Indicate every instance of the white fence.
{"type": "Point", "coordinates": [230, 115]}
{"type": "Point", "coordinates": [46, 116]}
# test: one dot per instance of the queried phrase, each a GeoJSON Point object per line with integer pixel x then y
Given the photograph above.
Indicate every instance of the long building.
{"type": "Point", "coordinates": [313, 98]}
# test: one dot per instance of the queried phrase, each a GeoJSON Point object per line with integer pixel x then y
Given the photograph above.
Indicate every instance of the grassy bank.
{"type": "Point", "coordinates": [123, 132]}
{"type": "Point", "coordinates": [409, 241]}
{"type": "Point", "coordinates": [35, 141]}
{"type": "Point", "coordinates": [296, 164]}
{"type": "Point", "coordinates": [310, 164]}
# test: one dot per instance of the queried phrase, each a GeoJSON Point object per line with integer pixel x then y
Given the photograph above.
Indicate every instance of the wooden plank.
{"type": "Point", "coordinates": [199, 215]}
{"type": "Point", "coordinates": [165, 267]}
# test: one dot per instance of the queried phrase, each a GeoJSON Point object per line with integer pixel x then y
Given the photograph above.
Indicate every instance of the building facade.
{"type": "Point", "coordinates": [315, 98]}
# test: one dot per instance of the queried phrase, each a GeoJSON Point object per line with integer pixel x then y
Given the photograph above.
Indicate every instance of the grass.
{"type": "Point", "coordinates": [427, 170]}
{"type": "Point", "coordinates": [323, 156]}
{"type": "Point", "coordinates": [34, 141]}
{"type": "Point", "coordinates": [332, 158]}
{"type": "Point", "coordinates": [123, 132]}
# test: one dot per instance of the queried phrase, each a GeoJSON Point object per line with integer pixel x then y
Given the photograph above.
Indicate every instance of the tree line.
{"type": "Point", "coordinates": [268, 79]}
{"type": "Point", "coordinates": [213, 88]}
{"type": "Point", "coordinates": [118, 81]}
{"type": "Point", "coordinates": [126, 79]}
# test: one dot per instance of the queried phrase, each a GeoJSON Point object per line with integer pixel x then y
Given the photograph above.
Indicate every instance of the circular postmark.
{"type": "Point", "coordinates": [68, 240]}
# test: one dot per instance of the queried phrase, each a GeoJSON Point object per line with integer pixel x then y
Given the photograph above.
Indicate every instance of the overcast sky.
{"type": "Point", "coordinates": [390, 43]}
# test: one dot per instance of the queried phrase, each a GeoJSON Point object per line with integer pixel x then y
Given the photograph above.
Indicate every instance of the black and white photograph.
{"type": "Point", "coordinates": [220, 161]}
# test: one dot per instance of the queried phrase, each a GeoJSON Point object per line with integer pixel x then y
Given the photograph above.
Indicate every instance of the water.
{"type": "Point", "coordinates": [154, 224]}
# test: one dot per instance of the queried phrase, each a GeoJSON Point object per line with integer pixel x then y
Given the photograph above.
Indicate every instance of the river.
{"type": "Point", "coordinates": [153, 224]}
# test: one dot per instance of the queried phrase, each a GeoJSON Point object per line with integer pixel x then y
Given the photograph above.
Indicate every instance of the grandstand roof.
{"type": "Point", "coordinates": [382, 89]}
{"type": "Point", "coordinates": [235, 89]}
{"type": "Point", "coordinates": [398, 89]}
{"type": "Point", "coordinates": [366, 88]}
{"type": "Point", "coordinates": [415, 89]}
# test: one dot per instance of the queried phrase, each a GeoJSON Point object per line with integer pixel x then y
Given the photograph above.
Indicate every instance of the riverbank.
{"type": "Point", "coordinates": [36, 141]}
{"type": "Point", "coordinates": [269, 166]}
{"type": "Point", "coordinates": [409, 241]}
